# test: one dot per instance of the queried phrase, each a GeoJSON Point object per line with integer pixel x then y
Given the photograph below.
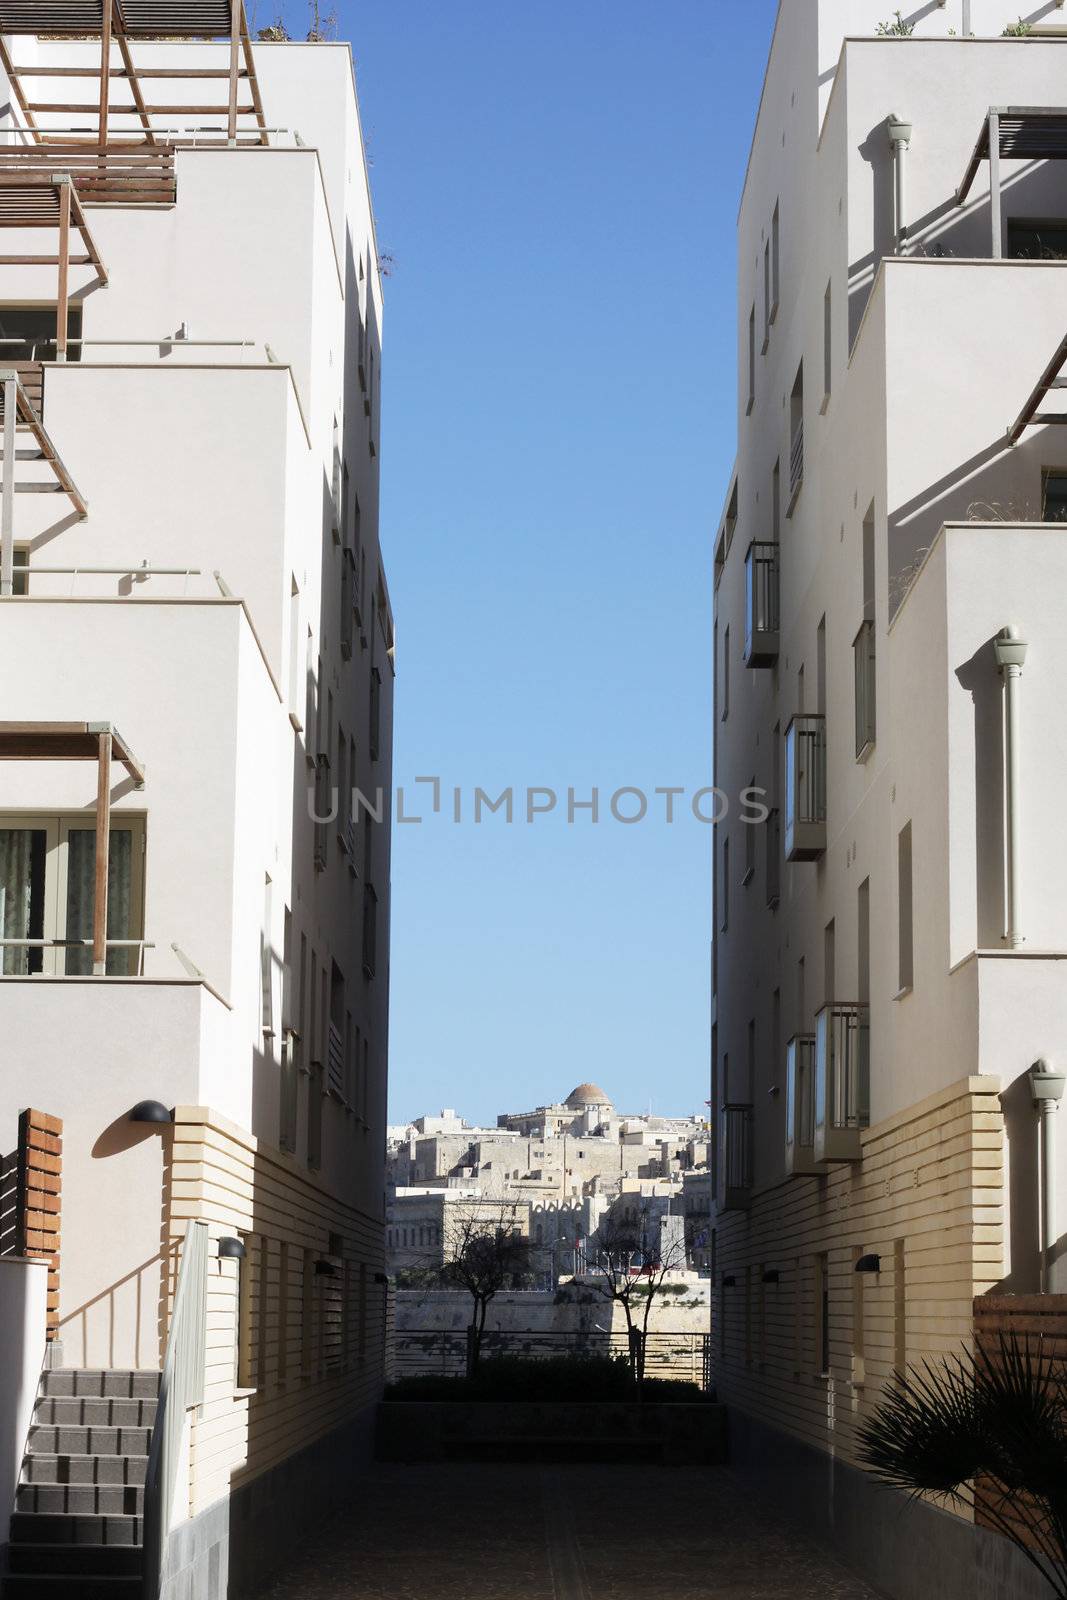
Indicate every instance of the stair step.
{"type": "Point", "coordinates": [84, 1469]}
{"type": "Point", "coordinates": [44, 1527]}
{"type": "Point", "coordinates": [82, 1560]}
{"type": "Point", "coordinates": [110, 1499]}
{"type": "Point", "coordinates": [79, 1411]}
{"type": "Point", "coordinates": [64, 1441]}
{"type": "Point", "coordinates": [95, 1383]}
{"type": "Point", "coordinates": [70, 1586]}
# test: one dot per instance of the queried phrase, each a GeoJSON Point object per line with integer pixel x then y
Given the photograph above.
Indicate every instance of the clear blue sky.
{"type": "Point", "coordinates": [558, 184]}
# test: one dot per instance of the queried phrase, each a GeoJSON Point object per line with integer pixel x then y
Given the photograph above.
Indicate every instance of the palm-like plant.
{"type": "Point", "coordinates": [987, 1430]}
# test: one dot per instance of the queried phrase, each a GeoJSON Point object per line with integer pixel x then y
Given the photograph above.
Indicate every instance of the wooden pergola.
{"type": "Point", "coordinates": [122, 90]}
{"type": "Point", "coordinates": [1013, 133]}
{"type": "Point", "coordinates": [80, 741]}
{"type": "Point", "coordinates": [1050, 382]}
{"type": "Point", "coordinates": [17, 414]}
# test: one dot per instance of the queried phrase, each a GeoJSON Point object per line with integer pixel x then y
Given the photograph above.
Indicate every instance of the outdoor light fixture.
{"type": "Point", "coordinates": [150, 1111]}
{"type": "Point", "coordinates": [869, 1264]}
{"type": "Point", "coordinates": [728, 1280]}
{"type": "Point", "coordinates": [771, 1276]}
{"type": "Point", "coordinates": [324, 1268]}
{"type": "Point", "coordinates": [381, 1277]}
{"type": "Point", "coordinates": [231, 1250]}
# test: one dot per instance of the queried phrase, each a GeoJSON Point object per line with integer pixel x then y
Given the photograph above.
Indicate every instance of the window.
{"type": "Point", "coordinates": [829, 962]}
{"type": "Point", "coordinates": [246, 1311]}
{"type": "Point", "coordinates": [905, 972]}
{"type": "Point", "coordinates": [290, 1030]}
{"type": "Point", "coordinates": [348, 601]}
{"type": "Point", "coordinates": [796, 438]}
{"type": "Point", "coordinates": [370, 930]}
{"type": "Point", "coordinates": [1033, 240]}
{"type": "Point", "coordinates": [266, 962]}
{"type": "Point", "coordinates": [1053, 497]}
{"type": "Point", "coordinates": [726, 672]}
{"type": "Point", "coordinates": [766, 295]}
{"type": "Point", "coordinates": [335, 1043]}
{"type": "Point", "coordinates": [859, 1364]}
{"type": "Point", "coordinates": [294, 653]}
{"type": "Point", "coordinates": [827, 343]}
{"type": "Point", "coordinates": [775, 262]}
{"type": "Point", "coordinates": [312, 700]}
{"type": "Point", "coordinates": [48, 891]}
{"type": "Point", "coordinates": [776, 502]}
{"type": "Point", "coordinates": [314, 1129]}
{"type": "Point", "coordinates": [863, 648]}
{"type": "Point", "coordinates": [750, 844]}
{"type": "Point", "coordinates": [725, 907]}
{"type": "Point", "coordinates": [822, 1315]}
{"type": "Point", "coordinates": [20, 569]}
{"type": "Point", "coordinates": [751, 360]}
{"type": "Point", "coordinates": [900, 1310]}
{"type": "Point", "coordinates": [375, 730]}
{"type": "Point", "coordinates": [863, 942]}
{"type": "Point", "coordinates": [29, 334]}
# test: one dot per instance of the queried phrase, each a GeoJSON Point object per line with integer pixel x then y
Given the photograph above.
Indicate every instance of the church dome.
{"type": "Point", "coordinates": [587, 1094]}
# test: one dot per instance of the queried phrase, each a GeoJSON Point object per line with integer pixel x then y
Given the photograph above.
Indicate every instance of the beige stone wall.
{"type": "Point", "coordinates": [927, 1198]}
{"type": "Point", "coordinates": [296, 1353]}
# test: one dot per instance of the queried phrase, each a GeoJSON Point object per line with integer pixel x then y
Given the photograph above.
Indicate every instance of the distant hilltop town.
{"type": "Point", "coordinates": [560, 1170]}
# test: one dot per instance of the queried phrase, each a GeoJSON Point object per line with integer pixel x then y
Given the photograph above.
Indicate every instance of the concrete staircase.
{"type": "Point", "coordinates": [77, 1529]}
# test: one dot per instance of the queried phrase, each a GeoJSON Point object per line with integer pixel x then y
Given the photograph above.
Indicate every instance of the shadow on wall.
{"type": "Point", "coordinates": [947, 230]}
{"type": "Point", "coordinates": [980, 677]}
{"type": "Point", "coordinates": [1021, 1127]}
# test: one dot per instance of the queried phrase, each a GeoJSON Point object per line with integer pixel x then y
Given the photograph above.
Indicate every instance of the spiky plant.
{"type": "Point", "coordinates": [989, 1431]}
{"type": "Point", "coordinates": [898, 28]}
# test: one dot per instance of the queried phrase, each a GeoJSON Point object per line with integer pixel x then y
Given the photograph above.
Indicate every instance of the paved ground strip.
{"type": "Point", "coordinates": [462, 1532]}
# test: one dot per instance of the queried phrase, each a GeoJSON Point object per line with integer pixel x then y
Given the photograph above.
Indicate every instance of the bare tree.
{"type": "Point", "coordinates": [485, 1253]}
{"type": "Point", "coordinates": [629, 1271]}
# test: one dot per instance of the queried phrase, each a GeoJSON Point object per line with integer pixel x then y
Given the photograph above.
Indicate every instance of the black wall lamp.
{"type": "Point", "coordinates": [728, 1280]}
{"type": "Point", "coordinates": [381, 1277]}
{"type": "Point", "coordinates": [325, 1269]}
{"type": "Point", "coordinates": [869, 1264]}
{"type": "Point", "coordinates": [150, 1111]}
{"type": "Point", "coordinates": [771, 1276]}
{"type": "Point", "coordinates": [231, 1250]}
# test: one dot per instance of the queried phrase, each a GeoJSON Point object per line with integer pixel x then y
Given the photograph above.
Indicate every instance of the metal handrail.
{"type": "Point", "coordinates": [181, 1387]}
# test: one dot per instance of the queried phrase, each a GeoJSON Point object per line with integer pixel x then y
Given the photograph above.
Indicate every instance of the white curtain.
{"type": "Point", "coordinates": [81, 869]}
{"type": "Point", "coordinates": [16, 869]}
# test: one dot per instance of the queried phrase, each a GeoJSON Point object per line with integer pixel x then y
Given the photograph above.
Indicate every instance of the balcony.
{"type": "Point", "coordinates": [800, 1105]}
{"type": "Point", "coordinates": [863, 663]}
{"type": "Point", "coordinates": [735, 1158]}
{"type": "Point", "coordinates": [796, 463]}
{"type": "Point", "coordinates": [761, 604]}
{"type": "Point", "coordinates": [805, 788]}
{"type": "Point", "coordinates": [842, 1080]}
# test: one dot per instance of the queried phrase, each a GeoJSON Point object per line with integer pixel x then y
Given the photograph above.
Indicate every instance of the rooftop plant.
{"type": "Point", "coordinates": [898, 28]}
{"type": "Point", "coordinates": [1017, 30]}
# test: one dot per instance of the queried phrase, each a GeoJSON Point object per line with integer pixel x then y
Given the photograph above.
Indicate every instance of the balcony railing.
{"type": "Point", "coordinates": [805, 788]}
{"type": "Point", "coordinates": [735, 1158]}
{"type": "Point", "coordinates": [842, 1080]}
{"type": "Point", "coordinates": [796, 461]}
{"type": "Point", "coordinates": [761, 604]}
{"type": "Point", "coordinates": [863, 661]}
{"type": "Point", "coordinates": [800, 1104]}
{"type": "Point", "coordinates": [335, 1061]}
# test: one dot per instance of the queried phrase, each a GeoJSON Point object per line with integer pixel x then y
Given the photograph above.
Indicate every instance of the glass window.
{"type": "Point", "coordinates": [48, 891]}
{"type": "Point", "coordinates": [1037, 241]}
{"type": "Point", "coordinates": [1054, 497]}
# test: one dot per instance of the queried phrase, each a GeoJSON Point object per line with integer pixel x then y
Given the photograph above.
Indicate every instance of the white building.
{"type": "Point", "coordinates": [890, 944]}
{"type": "Point", "coordinates": [196, 636]}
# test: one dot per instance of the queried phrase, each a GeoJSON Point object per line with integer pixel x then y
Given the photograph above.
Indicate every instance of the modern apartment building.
{"type": "Point", "coordinates": [890, 662]}
{"type": "Point", "coordinates": [196, 640]}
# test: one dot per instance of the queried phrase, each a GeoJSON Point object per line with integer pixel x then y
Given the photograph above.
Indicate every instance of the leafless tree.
{"type": "Point", "coordinates": [628, 1270]}
{"type": "Point", "coordinates": [485, 1253]}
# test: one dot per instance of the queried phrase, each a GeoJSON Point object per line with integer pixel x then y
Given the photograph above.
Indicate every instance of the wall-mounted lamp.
{"type": "Point", "coordinates": [869, 1264]}
{"type": "Point", "coordinates": [232, 1250]}
{"type": "Point", "coordinates": [771, 1276]}
{"type": "Point", "coordinates": [325, 1269]}
{"type": "Point", "coordinates": [728, 1280]}
{"type": "Point", "coordinates": [381, 1277]}
{"type": "Point", "coordinates": [150, 1111]}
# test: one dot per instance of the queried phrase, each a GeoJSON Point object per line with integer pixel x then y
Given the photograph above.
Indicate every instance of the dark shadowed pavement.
{"type": "Point", "coordinates": [462, 1532]}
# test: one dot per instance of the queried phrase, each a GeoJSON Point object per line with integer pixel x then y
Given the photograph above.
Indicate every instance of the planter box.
{"type": "Point", "coordinates": [420, 1430]}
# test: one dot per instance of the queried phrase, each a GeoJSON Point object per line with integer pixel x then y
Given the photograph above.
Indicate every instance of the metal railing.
{"type": "Point", "coordinates": [335, 1060]}
{"type": "Point", "coordinates": [761, 602]}
{"type": "Point", "coordinates": [843, 1086]}
{"type": "Point", "coordinates": [443, 1351]}
{"type": "Point", "coordinates": [863, 662]}
{"type": "Point", "coordinates": [805, 786]}
{"type": "Point", "coordinates": [800, 1092]}
{"type": "Point", "coordinates": [181, 1387]}
{"type": "Point", "coordinates": [140, 945]}
{"type": "Point", "coordinates": [796, 459]}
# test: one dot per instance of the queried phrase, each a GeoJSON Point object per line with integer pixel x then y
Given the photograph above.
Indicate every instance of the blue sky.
{"type": "Point", "coordinates": [558, 185]}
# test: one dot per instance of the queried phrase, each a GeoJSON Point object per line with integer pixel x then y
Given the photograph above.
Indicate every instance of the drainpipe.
{"type": "Point", "coordinates": [1010, 652]}
{"type": "Point", "coordinates": [899, 140]}
{"type": "Point", "coordinates": [1046, 1087]}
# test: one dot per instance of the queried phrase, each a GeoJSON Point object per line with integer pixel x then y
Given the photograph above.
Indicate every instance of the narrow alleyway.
{"type": "Point", "coordinates": [462, 1532]}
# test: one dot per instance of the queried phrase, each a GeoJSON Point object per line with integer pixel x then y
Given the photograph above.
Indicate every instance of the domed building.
{"type": "Point", "coordinates": [586, 1095]}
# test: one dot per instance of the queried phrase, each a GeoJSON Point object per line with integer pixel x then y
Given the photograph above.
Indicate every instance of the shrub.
{"type": "Point", "coordinates": [897, 29]}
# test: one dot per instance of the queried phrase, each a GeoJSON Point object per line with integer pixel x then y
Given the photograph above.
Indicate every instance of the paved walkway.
{"type": "Point", "coordinates": [559, 1533]}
